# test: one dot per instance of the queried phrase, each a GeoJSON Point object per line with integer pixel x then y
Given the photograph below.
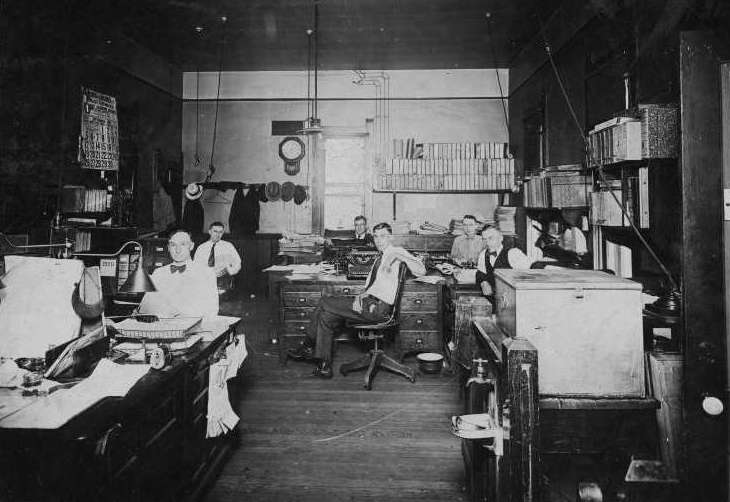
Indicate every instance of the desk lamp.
{"type": "Point", "coordinates": [139, 281]}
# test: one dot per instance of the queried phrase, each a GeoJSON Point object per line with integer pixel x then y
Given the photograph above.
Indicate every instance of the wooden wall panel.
{"type": "Point", "coordinates": [702, 288]}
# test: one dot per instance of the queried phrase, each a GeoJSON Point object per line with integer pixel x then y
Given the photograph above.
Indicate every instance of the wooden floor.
{"type": "Point", "coordinates": [307, 439]}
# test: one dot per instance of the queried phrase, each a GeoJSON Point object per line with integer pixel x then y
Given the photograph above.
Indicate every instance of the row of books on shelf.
{"type": "Point", "coordinates": [78, 199]}
{"type": "Point", "coordinates": [409, 149]}
{"type": "Point", "coordinates": [653, 132]}
{"type": "Point", "coordinates": [448, 166]}
{"type": "Point", "coordinates": [633, 194]}
{"type": "Point", "coordinates": [491, 180]}
{"type": "Point", "coordinates": [82, 241]}
{"type": "Point", "coordinates": [558, 190]}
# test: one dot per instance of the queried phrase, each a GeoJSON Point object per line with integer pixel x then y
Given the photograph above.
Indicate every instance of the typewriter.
{"type": "Point", "coordinates": [359, 263]}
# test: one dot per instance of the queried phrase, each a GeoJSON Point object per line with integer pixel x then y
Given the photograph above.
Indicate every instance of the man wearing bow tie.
{"type": "Point", "coordinates": [496, 256]}
{"type": "Point", "coordinates": [184, 288]}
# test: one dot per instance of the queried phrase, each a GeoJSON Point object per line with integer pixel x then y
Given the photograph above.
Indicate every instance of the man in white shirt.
{"type": "Point", "coordinates": [219, 255]}
{"type": "Point", "coordinates": [184, 288]}
{"type": "Point", "coordinates": [496, 256]}
{"type": "Point", "coordinates": [373, 305]}
{"type": "Point", "coordinates": [466, 248]}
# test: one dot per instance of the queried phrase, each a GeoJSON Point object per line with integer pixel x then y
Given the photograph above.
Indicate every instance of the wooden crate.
{"type": "Point", "coordinates": [585, 324]}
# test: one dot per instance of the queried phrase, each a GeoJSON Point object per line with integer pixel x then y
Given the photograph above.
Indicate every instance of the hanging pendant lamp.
{"type": "Point", "coordinates": [313, 124]}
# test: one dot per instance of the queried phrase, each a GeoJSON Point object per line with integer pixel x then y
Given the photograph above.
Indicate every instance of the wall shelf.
{"type": "Point", "coordinates": [375, 190]}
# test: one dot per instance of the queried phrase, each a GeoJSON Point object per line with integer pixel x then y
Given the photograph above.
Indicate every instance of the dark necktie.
{"type": "Point", "coordinates": [177, 268]}
{"type": "Point", "coordinates": [374, 271]}
{"type": "Point", "coordinates": [211, 256]}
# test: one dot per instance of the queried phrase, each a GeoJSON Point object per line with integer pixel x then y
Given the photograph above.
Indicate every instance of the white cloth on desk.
{"type": "Point", "coordinates": [193, 292]}
{"type": "Point", "coordinates": [225, 254]}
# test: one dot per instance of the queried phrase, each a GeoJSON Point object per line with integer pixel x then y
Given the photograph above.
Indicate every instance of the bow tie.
{"type": "Point", "coordinates": [177, 268]}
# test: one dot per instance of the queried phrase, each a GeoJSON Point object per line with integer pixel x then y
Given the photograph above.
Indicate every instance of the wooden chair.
{"type": "Point", "coordinates": [376, 357]}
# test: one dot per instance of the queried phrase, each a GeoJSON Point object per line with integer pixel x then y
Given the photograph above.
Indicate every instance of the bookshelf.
{"type": "Point", "coordinates": [446, 168]}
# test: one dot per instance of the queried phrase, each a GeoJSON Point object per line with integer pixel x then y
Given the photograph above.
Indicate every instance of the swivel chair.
{"type": "Point", "coordinates": [376, 357]}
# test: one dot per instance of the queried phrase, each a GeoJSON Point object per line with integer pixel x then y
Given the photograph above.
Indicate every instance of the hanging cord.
{"type": "Point", "coordinates": [496, 71]}
{"type": "Point", "coordinates": [211, 167]}
{"type": "Point", "coordinates": [599, 163]}
{"type": "Point", "coordinates": [309, 73]}
{"type": "Point", "coordinates": [196, 158]}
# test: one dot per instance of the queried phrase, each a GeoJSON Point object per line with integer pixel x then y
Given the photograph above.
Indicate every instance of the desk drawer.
{"type": "Point", "coordinates": [344, 290]}
{"type": "Point", "coordinates": [300, 298]}
{"type": "Point", "coordinates": [419, 302]}
{"type": "Point", "coordinates": [297, 313]}
{"type": "Point", "coordinates": [297, 327]}
{"type": "Point", "coordinates": [422, 321]}
{"type": "Point", "coordinates": [419, 341]}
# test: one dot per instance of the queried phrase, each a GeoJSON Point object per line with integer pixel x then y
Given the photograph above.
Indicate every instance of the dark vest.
{"type": "Point", "coordinates": [502, 261]}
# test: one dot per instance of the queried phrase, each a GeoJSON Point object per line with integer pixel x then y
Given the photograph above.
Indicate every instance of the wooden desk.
{"type": "Point", "coordinates": [149, 445]}
{"type": "Point", "coordinates": [421, 314]}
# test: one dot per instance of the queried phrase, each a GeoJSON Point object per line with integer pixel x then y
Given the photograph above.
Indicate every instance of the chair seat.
{"type": "Point", "coordinates": [381, 325]}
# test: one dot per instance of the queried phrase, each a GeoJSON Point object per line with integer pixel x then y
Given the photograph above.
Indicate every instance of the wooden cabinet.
{"type": "Point", "coordinates": [421, 313]}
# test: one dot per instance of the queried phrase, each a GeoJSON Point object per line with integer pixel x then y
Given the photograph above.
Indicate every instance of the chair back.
{"type": "Point", "coordinates": [395, 313]}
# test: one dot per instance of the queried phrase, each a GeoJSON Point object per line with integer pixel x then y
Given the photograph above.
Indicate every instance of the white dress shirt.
{"type": "Point", "coordinates": [516, 258]}
{"type": "Point", "coordinates": [225, 254]}
{"type": "Point", "coordinates": [191, 293]}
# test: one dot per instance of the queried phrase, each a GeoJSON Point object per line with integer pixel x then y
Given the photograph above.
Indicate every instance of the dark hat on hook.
{"type": "Point", "coordinates": [300, 194]}
{"type": "Point", "coordinates": [261, 191]}
{"type": "Point", "coordinates": [287, 191]}
{"type": "Point", "coordinates": [273, 190]}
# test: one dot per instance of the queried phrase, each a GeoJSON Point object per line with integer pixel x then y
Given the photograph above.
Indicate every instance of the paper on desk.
{"type": "Point", "coordinates": [429, 279]}
{"type": "Point", "coordinates": [50, 412]}
{"type": "Point", "coordinates": [212, 328]}
{"type": "Point", "coordinates": [236, 353]}
{"type": "Point", "coordinates": [277, 268]}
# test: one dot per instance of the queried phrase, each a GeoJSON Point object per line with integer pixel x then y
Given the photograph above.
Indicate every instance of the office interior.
{"type": "Point", "coordinates": [592, 135]}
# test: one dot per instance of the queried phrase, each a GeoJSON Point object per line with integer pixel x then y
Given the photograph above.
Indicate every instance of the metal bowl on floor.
{"type": "Point", "coordinates": [430, 362]}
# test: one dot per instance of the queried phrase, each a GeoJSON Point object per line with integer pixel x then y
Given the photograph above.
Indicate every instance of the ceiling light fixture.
{"type": "Point", "coordinates": [313, 124]}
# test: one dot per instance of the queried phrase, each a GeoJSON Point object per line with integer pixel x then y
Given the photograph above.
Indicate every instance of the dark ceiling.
{"type": "Point", "coordinates": [271, 34]}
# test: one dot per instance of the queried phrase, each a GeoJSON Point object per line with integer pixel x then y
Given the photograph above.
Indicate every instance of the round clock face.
{"type": "Point", "coordinates": [291, 149]}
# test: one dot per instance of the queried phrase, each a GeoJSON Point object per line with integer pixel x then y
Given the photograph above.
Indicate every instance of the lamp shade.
{"type": "Point", "coordinates": [138, 282]}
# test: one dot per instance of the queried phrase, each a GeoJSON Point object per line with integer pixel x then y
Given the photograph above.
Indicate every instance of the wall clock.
{"type": "Point", "coordinates": [291, 151]}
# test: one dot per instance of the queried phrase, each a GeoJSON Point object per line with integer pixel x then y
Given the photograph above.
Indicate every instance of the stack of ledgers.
{"type": "Point", "coordinates": [428, 228]}
{"type": "Point", "coordinates": [505, 217]}
{"type": "Point", "coordinates": [302, 243]}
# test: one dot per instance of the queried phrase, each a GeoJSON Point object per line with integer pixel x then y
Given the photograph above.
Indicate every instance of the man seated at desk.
{"type": "Point", "coordinates": [221, 256]}
{"type": "Point", "coordinates": [466, 248]}
{"type": "Point", "coordinates": [359, 238]}
{"type": "Point", "coordinates": [374, 304]}
{"type": "Point", "coordinates": [495, 256]}
{"type": "Point", "coordinates": [184, 288]}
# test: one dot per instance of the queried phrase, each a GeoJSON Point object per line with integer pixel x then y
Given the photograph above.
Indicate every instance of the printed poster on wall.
{"type": "Point", "coordinates": [99, 138]}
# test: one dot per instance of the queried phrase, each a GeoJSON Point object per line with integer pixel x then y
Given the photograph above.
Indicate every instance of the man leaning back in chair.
{"type": "Point", "coordinates": [372, 305]}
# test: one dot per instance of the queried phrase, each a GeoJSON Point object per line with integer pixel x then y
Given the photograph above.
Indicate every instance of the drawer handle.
{"type": "Point", "coordinates": [418, 301]}
{"type": "Point", "coordinates": [302, 314]}
{"type": "Point", "coordinates": [346, 290]}
{"type": "Point", "coordinates": [302, 328]}
{"type": "Point", "coordinates": [419, 321]}
{"type": "Point", "coordinates": [419, 341]}
{"type": "Point", "coordinates": [302, 300]}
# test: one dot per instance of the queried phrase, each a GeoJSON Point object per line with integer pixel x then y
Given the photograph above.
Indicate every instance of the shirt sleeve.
{"type": "Point", "coordinates": [235, 258]}
{"type": "Point", "coordinates": [518, 260]}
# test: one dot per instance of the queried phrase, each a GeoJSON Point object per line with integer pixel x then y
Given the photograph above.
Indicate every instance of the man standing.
{"type": "Point", "coordinates": [496, 256]}
{"type": "Point", "coordinates": [372, 305]}
{"type": "Point", "coordinates": [466, 248]}
{"type": "Point", "coordinates": [220, 255]}
{"type": "Point", "coordinates": [184, 288]}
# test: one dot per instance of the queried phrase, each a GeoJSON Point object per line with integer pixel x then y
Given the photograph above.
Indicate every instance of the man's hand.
{"type": "Point", "coordinates": [357, 304]}
{"type": "Point", "coordinates": [486, 288]}
{"type": "Point", "coordinates": [220, 270]}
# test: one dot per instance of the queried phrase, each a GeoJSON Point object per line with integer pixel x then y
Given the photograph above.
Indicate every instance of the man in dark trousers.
{"type": "Point", "coordinates": [494, 256]}
{"type": "Point", "coordinates": [372, 305]}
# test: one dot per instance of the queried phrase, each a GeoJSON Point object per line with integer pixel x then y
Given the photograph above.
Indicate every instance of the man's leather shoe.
{"type": "Point", "coordinates": [323, 370]}
{"type": "Point", "coordinates": [302, 353]}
